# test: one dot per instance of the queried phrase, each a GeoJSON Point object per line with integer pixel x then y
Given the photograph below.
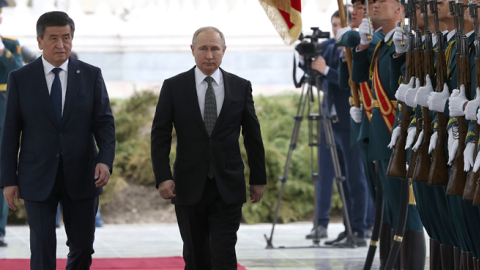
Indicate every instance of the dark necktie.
{"type": "Point", "coordinates": [210, 109]}
{"type": "Point", "coordinates": [56, 95]}
{"type": "Point", "coordinates": [210, 115]}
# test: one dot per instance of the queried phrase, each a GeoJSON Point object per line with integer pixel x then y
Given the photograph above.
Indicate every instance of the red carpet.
{"type": "Point", "coordinates": [163, 263]}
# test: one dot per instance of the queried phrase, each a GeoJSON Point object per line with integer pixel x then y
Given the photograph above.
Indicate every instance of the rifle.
{"type": "Point", "coordinates": [397, 166]}
{"type": "Point", "coordinates": [438, 175]}
{"type": "Point", "coordinates": [420, 74]}
{"type": "Point", "coordinates": [471, 185]}
{"type": "Point", "coordinates": [458, 177]}
{"type": "Point", "coordinates": [422, 167]}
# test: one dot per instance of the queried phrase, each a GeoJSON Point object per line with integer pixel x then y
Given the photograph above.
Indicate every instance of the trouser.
{"type": "Point", "coordinates": [3, 215]}
{"type": "Point", "coordinates": [209, 231]}
{"type": "Point", "coordinates": [355, 187]}
{"type": "Point", "coordinates": [79, 219]}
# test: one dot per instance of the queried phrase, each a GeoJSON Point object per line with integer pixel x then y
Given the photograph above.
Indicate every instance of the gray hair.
{"type": "Point", "coordinates": [208, 28]}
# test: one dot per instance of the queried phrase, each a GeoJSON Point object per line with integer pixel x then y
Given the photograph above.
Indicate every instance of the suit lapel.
{"type": "Point", "coordinates": [42, 91]}
{"type": "Point", "coordinates": [192, 99]}
{"type": "Point", "coordinates": [73, 84]}
{"type": "Point", "coordinates": [228, 85]}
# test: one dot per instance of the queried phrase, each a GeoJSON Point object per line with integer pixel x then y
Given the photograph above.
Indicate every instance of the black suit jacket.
{"type": "Point", "coordinates": [178, 106]}
{"type": "Point", "coordinates": [87, 122]}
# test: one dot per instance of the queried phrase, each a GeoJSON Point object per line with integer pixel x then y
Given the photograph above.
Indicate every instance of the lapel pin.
{"type": "Point", "coordinates": [78, 71]}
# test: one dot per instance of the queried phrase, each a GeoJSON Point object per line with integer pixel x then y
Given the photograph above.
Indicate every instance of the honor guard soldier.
{"type": "Point", "coordinates": [10, 59]}
{"type": "Point", "coordinates": [383, 116]}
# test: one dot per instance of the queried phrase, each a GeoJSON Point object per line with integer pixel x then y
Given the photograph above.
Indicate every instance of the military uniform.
{"type": "Point", "coordinates": [11, 59]}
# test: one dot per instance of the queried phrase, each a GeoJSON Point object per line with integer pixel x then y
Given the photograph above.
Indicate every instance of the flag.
{"type": "Point", "coordinates": [286, 17]}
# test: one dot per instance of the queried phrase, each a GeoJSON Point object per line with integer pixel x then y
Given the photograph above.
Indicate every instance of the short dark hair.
{"type": "Point", "coordinates": [361, 2]}
{"type": "Point", "coordinates": [53, 18]}
{"type": "Point", "coordinates": [336, 14]}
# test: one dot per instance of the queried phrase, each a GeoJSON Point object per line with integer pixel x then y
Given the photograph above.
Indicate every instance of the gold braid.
{"type": "Point", "coordinates": [448, 54]}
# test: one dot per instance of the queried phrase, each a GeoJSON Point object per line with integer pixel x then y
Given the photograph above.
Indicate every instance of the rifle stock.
{"type": "Point", "coordinates": [458, 177]}
{"type": "Point", "coordinates": [423, 164]}
{"type": "Point", "coordinates": [420, 74]}
{"type": "Point", "coordinates": [438, 175]}
{"type": "Point", "coordinates": [471, 186]}
{"type": "Point", "coordinates": [397, 166]}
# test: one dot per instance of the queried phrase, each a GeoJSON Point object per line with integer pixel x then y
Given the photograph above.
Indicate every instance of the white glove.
{"type": "Point", "coordinates": [2, 46]}
{"type": "Point", "coordinates": [395, 134]}
{"type": "Point", "coordinates": [472, 106]}
{"type": "Point", "coordinates": [342, 31]}
{"type": "Point", "coordinates": [477, 164]}
{"type": "Point", "coordinates": [457, 100]}
{"type": "Point", "coordinates": [452, 144]}
{"type": "Point", "coordinates": [478, 117]}
{"type": "Point", "coordinates": [436, 101]}
{"type": "Point", "coordinates": [433, 142]}
{"type": "Point", "coordinates": [411, 93]}
{"type": "Point", "coordinates": [421, 97]}
{"type": "Point", "coordinates": [418, 143]}
{"type": "Point", "coordinates": [468, 156]}
{"type": "Point", "coordinates": [402, 89]}
{"type": "Point", "coordinates": [397, 38]}
{"type": "Point", "coordinates": [356, 113]}
{"type": "Point", "coordinates": [411, 132]}
{"type": "Point", "coordinates": [364, 29]}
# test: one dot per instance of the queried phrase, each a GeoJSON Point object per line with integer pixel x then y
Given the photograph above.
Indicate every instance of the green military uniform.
{"type": "Point", "coordinates": [11, 59]}
{"type": "Point", "coordinates": [359, 132]}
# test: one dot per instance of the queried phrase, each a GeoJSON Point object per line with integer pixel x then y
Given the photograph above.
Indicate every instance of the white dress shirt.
{"type": "Point", "coordinates": [50, 76]}
{"type": "Point", "coordinates": [218, 88]}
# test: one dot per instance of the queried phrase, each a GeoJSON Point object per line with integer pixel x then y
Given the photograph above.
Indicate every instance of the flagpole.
{"type": "Point", "coordinates": [348, 54]}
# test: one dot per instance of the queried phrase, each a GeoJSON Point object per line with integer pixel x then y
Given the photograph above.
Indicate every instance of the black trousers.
{"type": "Point", "coordinates": [79, 220]}
{"type": "Point", "coordinates": [209, 231]}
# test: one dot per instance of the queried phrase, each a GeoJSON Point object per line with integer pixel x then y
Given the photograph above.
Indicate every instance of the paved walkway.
{"type": "Point", "coordinates": [162, 240]}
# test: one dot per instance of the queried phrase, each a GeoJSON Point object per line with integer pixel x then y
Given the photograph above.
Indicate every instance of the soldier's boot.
{"type": "Point", "coordinates": [385, 244]}
{"type": "Point", "coordinates": [397, 265]}
{"type": "Point", "coordinates": [413, 250]}
{"type": "Point", "coordinates": [457, 258]}
{"type": "Point", "coordinates": [464, 259]}
{"type": "Point", "coordinates": [447, 257]}
{"type": "Point", "coordinates": [435, 257]}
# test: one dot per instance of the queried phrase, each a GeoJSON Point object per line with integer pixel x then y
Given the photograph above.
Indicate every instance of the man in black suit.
{"type": "Point", "coordinates": [208, 106]}
{"type": "Point", "coordinates": [58, 108]}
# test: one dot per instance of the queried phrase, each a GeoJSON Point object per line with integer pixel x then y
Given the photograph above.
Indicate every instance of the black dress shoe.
{"type": "Point", "coordinates": [355, 241]}
{"type": "Point", "coordinates": [321, 231]}
{"type": "Point", "coordinates": [340, 237]}
{"type": "Point", "coordinates": [2, 242]}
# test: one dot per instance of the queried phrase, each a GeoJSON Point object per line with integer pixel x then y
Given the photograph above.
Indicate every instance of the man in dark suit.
{"type": "Point", "coordinates": [208, 106]}
{"type": "Point", "coordinates": [58, 108]}
{"type": "Point", "coordinates": [355, 186]}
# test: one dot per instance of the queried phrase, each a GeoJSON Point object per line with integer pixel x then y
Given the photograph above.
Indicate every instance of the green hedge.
{"type": "Point", "coordinates": [133, 118]}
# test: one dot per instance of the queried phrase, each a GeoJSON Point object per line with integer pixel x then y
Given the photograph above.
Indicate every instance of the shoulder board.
{"type": "Point", "coordinates": [9, 38]}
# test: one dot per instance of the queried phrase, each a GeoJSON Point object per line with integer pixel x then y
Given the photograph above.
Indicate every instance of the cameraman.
{"type": "Point", "coordinates": [350, 162]}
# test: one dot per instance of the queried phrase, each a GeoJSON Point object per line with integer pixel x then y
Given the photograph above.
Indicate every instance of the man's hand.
{"type": "Point", "coordinates": [472, 106]}
{"type": "Point", "coordinates": [166, 189]}
{"type": "Point", "coordinates": [411, 93]}
{"type": "Point", "coordinates": [356, 113]}
{"type": "Point", "coordinates": [433, 142]}
{"type": "Point", "coordinates": [342, 31]}
{"type": "Point", "coordinates": [436, 101]}
{"type": "Point", "coordinates": [421, 98]}
{"type": "Point", "coordinates": [395, 135]}
{"type": "Point", "coordinates": [411, 132]}
{"type": "Point", "coordinates": [11, 196]}
{"type": "Point", "coordinates": [402, 89]}
{"type": "Point", "coordinates": [102, 175]}
{"type": "Point", "coordinates": [319, 64]}
{"type": "Point", "coordinates": [365, 29]}
{"type": "Point", "coordinates": [397, 39]}
{"type": "Point", "coordinates": [457, 102]}
{"type": "Point", "coordinates": [256, 192]}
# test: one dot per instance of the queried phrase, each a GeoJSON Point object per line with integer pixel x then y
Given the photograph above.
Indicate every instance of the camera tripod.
{"type": "Point", "coordinates": [313, 80]}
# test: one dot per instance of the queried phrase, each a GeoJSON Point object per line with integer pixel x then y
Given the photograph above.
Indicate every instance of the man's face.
{"type": "Point", "coordinates": [56, 44]}
{"type": "Point", "coordinates": [336, 24]}
{"type": "Point", "coordinates": [420, 21]}
{"type": "Point", "coordinates": [208, 51]}
{"type": "Point", "coordinates": [387, 10]}
{"type": "Point", "coordinates": [357, 14]}
{"type": "Point", "coordinates": [371, 13]}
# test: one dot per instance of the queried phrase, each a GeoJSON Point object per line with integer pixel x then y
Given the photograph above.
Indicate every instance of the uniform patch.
{"type": "Point", "coordinates": [9, 54]}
